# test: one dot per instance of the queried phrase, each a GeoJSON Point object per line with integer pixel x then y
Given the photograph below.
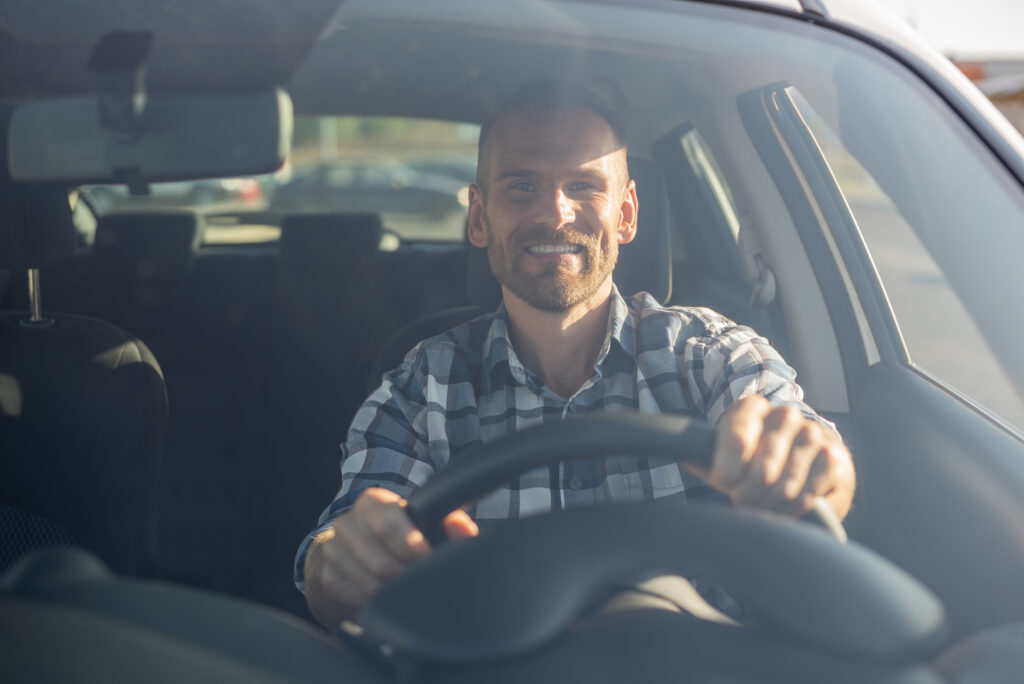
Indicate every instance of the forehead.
{"type": "Point", "coordinates": [568, 137]}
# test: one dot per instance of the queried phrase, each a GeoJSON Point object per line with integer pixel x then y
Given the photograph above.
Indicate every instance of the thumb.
{"type": "Point", "coordinates": [458, 525]}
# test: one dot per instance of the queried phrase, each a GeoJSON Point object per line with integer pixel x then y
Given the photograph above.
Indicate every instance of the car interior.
{"type": "Point", "coordinates": [173, 403]}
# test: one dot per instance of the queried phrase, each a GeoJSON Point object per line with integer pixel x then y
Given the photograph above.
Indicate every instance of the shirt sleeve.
{"type": "Point", "coordinates": [731, 362]}
{"type": "Point", "coordinates": [386, 447]}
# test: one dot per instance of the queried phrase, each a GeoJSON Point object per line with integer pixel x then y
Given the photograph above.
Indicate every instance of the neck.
{"type": "Point", "coordinates": [560, 347]}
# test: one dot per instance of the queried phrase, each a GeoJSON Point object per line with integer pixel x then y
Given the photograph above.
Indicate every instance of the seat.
{"type": "Point", "coordinates": [645, 265]}
{"type": "Point", "coordinates": [204, 317]}
{"type": "Point", "coordinates": [83, 409]}
{"type": "Point", "coordinates": [133, 276]}
{"type": "Point", "coordinates": [326, 321]}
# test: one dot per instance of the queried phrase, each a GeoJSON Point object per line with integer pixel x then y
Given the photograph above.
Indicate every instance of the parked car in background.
{"type": "Point", "coordinates": [402, 195]}
{"type": "Point", "coordinates": [213, 193]}
{"type": "Point", "coordinates": [459, 167]}
{"type": "Point", "coordinates": [172, 410]}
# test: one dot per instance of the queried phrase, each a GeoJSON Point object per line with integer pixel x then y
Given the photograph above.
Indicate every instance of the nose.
{"type": "Point", "coordinates": [557, 209]}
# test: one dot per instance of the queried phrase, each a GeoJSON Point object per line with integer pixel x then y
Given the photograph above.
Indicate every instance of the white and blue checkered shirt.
{"type": "Point", "coordinates": [467, 386]}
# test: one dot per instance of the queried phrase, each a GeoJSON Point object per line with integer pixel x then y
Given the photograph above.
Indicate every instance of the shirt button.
{"type": "Point", "coordinates": [575, 483]}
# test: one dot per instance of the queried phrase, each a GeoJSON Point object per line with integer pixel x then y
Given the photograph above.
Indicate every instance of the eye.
{"type": "Point", "coordinates": [580, 186]}
{"type": "Point", "coordinates": [522, 186]}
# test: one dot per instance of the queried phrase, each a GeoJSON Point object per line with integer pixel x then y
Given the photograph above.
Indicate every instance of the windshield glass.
{"type": "Point", "coordinates": [382, 98]}
{"type": "Point", "coordinates": [413, 172]}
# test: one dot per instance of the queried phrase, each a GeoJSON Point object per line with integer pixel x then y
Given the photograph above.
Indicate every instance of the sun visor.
{"type": "Point", "coordinates": [171, 137]}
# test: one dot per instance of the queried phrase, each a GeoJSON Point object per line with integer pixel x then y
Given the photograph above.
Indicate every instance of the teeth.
{"type": "Point", "coordinates": [554, 249]}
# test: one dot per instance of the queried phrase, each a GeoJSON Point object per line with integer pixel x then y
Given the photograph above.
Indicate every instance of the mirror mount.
{"type": "Point", "coordinates": [119, 62]}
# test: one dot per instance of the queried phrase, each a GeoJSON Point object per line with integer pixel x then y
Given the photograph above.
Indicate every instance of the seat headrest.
{"type": "Point", "coordinates": [145, 246]}
{"type": "Point", "coordinates": [35, 219]}
{"type": "Point", "coordinates": [309, 238]}
{"type": "Point", "coordinates": [645, 264]}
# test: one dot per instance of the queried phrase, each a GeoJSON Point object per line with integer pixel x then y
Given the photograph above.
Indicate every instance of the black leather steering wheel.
{"type": "Point", "coordinates": [484, 599]}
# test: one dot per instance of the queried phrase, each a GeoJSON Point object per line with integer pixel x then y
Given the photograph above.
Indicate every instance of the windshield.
{"type": "Point", "coordinates": [414, 172]}
{"type": "Point", "coordinates": [678, 72]}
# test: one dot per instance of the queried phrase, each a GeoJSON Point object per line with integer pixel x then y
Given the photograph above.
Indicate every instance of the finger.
{"type": "Point", "coordinates": [780, 429]}
{"type": "Point", "coordinates": [827, 471]}
{"type": "Point", "coordinates": [387, 524]}
{"type": "Point", "coordinates": [334, 587]}
{"type": "Point", "coordinates": [831, 466]}
{"type": "Point", "coordinates": [354, 559]}
{"type": "Point", "coordinates": [736, 441]}
{"type": "Point", "coordinates": [334, 580]}
{"type": "Point", "coordinates": [789, 488]}
{"type": "Point", "coordinates": [458, 525]}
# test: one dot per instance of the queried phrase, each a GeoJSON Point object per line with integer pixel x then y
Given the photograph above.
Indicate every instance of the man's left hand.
{"type": "Point", "coordinates": [775, 458]}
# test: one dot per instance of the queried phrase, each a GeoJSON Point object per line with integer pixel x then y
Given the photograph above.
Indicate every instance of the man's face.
{"type": "Point", "coordinates": [554, 206]}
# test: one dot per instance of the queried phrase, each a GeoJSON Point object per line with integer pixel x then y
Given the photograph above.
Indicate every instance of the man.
{"type": "Point", "coordinates": [552, 203]}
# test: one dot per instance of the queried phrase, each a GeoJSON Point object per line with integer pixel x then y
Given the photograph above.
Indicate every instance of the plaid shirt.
{"type": "Point", "coordinates": [467, 386]}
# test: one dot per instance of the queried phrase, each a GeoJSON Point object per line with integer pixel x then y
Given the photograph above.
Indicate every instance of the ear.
{"type": "Point", "coordinates": [627, 220]}
{"type": "Point", "coordinates": [476, 231]}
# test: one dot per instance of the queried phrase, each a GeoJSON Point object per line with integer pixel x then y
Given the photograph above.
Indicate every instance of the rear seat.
{"type": "Point", "coordinates": [266, 352]}
{"type": "Point", "coordinates": [328, 317]}
{"type": "Point", "coordinates": [133, 274]}
{"type": "Point", "coordinates": [204, 316]}
{"type": "Point", "coordinates": [211, 506]}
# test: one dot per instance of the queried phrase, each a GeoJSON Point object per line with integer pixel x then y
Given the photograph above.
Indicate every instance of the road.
{"type": "Point", "coordinates": [939, 333]}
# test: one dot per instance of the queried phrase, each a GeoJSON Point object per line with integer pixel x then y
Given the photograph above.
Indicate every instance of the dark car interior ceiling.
{"type": "Point", "coordinates": [254, 51]}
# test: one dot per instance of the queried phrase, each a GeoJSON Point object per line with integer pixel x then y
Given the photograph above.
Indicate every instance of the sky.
{"type": "Point", "coordinates": [967, 28]}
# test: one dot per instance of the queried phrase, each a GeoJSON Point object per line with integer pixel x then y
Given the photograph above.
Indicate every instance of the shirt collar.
{"type": "Point", "coordinates": [620, 333]}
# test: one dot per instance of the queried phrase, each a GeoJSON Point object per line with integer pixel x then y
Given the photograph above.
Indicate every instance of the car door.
{"type": "Point", "coordinates": [911, 250]}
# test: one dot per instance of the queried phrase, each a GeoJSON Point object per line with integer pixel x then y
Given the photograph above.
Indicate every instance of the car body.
{"type": "Point", "coordinates": [459, 167]}
{"type": "Point", "coordinates": [382, 185]}
{"type": "Point", "coordinates": [219, 192]}
{"type": "Point", "coordinates": [827, 179]}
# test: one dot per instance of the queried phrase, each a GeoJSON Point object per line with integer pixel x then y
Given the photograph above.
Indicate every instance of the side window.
{"type": "Point", "coordinates": [711, 181]}
{"type": "Point", "coordinates": [940, 334]}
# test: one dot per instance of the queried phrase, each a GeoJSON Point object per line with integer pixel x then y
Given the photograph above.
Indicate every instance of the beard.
{"type": "Point", "coordinates": [556, 288]}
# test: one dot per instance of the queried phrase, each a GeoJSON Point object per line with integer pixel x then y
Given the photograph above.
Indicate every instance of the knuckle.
{"type": "Point", "coordinates": [787, 416]}
{"type": "Point", "coordinates": [753, 401]}
{"type": "Point", "coordinates": [389, 522]}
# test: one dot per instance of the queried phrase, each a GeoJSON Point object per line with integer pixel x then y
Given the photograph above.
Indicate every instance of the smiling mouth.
{"type": "Point", "coordinates": [554, 249]}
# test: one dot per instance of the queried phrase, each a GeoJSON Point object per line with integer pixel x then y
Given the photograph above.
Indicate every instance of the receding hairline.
{"type": "Point", "coordinates": [546, 97]}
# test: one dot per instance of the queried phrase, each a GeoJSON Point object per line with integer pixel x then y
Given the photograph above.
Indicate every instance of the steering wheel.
{"type": "Point", "coordinates": [516, 588]}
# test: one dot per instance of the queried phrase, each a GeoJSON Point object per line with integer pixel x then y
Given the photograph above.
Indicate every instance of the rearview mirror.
{"type": "Point", "coordinates": [179, 137]}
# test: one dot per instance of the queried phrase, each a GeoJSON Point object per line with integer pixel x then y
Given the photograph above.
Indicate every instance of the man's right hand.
{"type": "Point", "coordinates": [362, 549]}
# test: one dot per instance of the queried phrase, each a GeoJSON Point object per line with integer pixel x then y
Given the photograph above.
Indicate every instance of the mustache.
{"type": "Point", "coordinates": [562, 236]}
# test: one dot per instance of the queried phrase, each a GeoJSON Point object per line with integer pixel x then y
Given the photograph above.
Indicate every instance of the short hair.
{"type": "Point", "coordinates": [544, 96]}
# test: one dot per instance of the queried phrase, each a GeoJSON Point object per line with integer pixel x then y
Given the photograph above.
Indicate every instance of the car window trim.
{"type": "Point", "coordinates": [717, 248]}
{"type": "Point", "coordinates": [841, 226]}
{"type": "Point", "coordinates": [792, 167]}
